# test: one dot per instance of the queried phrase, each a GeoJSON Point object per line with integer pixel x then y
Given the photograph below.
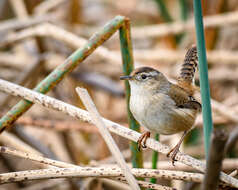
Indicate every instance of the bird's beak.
{"type": "Point", "coordinates": [126, 77]}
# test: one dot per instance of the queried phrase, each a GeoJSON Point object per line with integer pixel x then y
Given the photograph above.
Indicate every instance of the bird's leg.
{"type": "Point", "coordinates": [142, 140]}
{"type": "Point", "coordinates": [175, 150]}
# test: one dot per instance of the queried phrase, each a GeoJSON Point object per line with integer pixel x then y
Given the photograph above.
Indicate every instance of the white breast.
{"type": "Point", "coordinates": [158, 113]}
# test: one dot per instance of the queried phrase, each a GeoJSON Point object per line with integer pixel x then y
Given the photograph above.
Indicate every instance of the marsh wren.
{"type": "Point", "coordinates": [161, 106]}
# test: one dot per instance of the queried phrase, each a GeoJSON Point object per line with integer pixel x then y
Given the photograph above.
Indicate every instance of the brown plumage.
{"type": "Point", "coordinates": [143, 70]}
{"type": "Point", "coordinates": [161, 106]}
{"type": "Point", "coordinates": [188, 70]}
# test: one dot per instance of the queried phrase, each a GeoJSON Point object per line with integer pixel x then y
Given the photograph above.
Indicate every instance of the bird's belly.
{"type": "Point", "coordinates": [162, 116]}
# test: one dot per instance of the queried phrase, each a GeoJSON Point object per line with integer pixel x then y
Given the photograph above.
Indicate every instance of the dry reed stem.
{"type": "Point", "coordinates": [148, 185]}
{"type": "Point", "coordinates": [60, 125]}
{"type": "Point", "coordinates": [83, 115]}
{"type": "Point", "coordinates": [14, 24]}
{"type": "Point", "coordinates": [65, 125]}
{"type": "Point", "coordinates": [166, 174]}
{"type": "Point", "coordinates": [13, 141]}
{"type": "Point", "coordinates": [48, 185]}
{"type": "Point", "coordinates": [55, 32]}
{"type": "Point", "coordinates": [35, 157]}
{"type": "Point", "coordinates": [73, 172]}
{"type": "Point", "coordinates": [7, 61]}
{"type": "Point", "coordinates": [228, 164]}
{"type": "Point", "coordinates": [234, 173]}
{"type": "Point", "coordinates": [214, 162]}
{"type": "Point", "coordinates": [163, 55]}
{"type": "Point", "coordinates": [19, 8]}
{"type": "Point", "coordinates": [97, 120]}
{"type": "Point", "coordinates": [97, 172]}
{"type": "Point", "coordinates": [160, 30]}
{"type": "Point", "coordinates": [45, 6]}
{"type": "Point", "coordinates": [23, 77]}
{"type": "Point", "coordinates": [74, 41]}
{"type": "Point", "coordinates": [225, 111]}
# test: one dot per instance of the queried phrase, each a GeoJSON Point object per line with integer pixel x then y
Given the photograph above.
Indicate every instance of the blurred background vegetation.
{"type": "Point", "coordinates": [158, 41]}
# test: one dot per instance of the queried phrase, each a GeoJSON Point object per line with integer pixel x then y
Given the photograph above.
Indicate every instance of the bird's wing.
{"type": "Point", "coordinates": [182, 99]}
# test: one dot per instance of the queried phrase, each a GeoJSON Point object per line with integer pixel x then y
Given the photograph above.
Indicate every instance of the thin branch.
{"type": "Point", "coordinates": [13, 141]}
{"type": "Point", "coordinates": [228, 164]}
{"type": "Point", "coordinates": [163, 55]}
{"type": "Point", "coordinates": [83, 115]}
{"type": "Point", "coordinates": [60, 125]}
{"type": "Point", "coordinates": [96, 172]}
{"type": "Point", "coordinates": [48, 185]}
{"type": "Point", "coordinates": [214, 163]}
{"type": "Point", "coordinates": [15, 24]}
{"type": "Point", "coordinates": [45, 6]}
{"type": "Point", "coordinates": [7, 61]}
{"type": "Point", "coordinates": [166, 174]}
{"type": "Point", "coordinates": [232, 140]}
{"type": "Point", "coordinates": [147, 185]}
{"type": "Point", "coordinates": [25, 76]}
{"type": "Point", "coordinates": [97, 120]}
{"type": "Point", "coordinates": [55, 32]}
{"type": "Point", "coordinates": [35, 157]}
{"type": "Point", "coordinates": [180, 26]}
{"type": "Point", "coordinates": [224, 110]}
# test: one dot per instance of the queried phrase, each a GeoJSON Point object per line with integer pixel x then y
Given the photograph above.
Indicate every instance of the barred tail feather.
{"type": "Point", "coordinates": [186, 78]}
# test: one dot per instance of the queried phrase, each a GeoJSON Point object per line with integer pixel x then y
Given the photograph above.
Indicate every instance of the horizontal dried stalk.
{"type": "Point", "coordinates": [49, 184]}
{"type": "Point", "coordinates": [97, 172]}
{"type": "Point", "coordinates": [83, 115]}
{"type": "Point", "coordinates": [214, 56]}
{"type": "Point", "coordinates": [160, 30]}
{"type": "Point", "coordinates": [55, 32]}
{"type": "Point", "coordinates": [45, 6]}
{"type": "Point", "coordinates": [60, 125]}
{"type": "Point", "coordinates": [14, 24]}
{"type": "Point", "coordinates": [228, 164]}
{"type": "Point", "coordinates": [148, 185]}
{"type": "Point", "coordinates": [226, 111]}
{"type": "Point", "coordinates": [13, 141]}
{"type": "Point", "coordinates": [7, 61]}
{"type": "Point", "coordinates": [60, 164]}
{"type": "Point", "coordinates": [64, 125]}
{"type": "Point", "coordinates": [73, 172]}
{"type": "Point", "coordinates": [35, 157]}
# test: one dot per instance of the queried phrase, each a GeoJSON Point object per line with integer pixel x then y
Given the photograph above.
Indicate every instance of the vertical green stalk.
{"type": "Point", "coordinates": [164, 11]}
{"type": "Point", "coordinates": [183, 9]}
{"type": "Point", "coordinates": [60, 72]}
{"type": "Point", "coordinates": [203, 72]}
{"type": "Point", "coordinates": [128, 64]}
{"type": "Point", "coordinates": [154, 159]}
{"type": "Point", "coordinates": [167, 17]}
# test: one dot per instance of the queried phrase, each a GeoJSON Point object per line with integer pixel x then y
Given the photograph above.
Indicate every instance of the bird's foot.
{"type": "Point", "coordinates": [172, 153]}
{"type": "Point", "coordinates": [142, 140]}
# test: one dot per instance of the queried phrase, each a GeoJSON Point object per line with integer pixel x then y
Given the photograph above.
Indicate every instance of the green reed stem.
{"type": "Point", "coordinates": [203, 72]}
{"type": "Point", "coordinates": [60, 72]}
{"type": "Point", "coordinates": [128, 66]}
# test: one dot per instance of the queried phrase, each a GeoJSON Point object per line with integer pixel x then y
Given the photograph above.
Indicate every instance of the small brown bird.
{"type": "Point", "coordinates": [161, 106]}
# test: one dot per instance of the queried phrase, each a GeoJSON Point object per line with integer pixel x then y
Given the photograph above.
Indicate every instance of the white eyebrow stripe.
{"type": "Point", "coordinates": [153, 73]}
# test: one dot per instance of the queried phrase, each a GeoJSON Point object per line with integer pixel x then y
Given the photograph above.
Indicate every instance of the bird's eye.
{"type": "Point", "coordinates": [143, 76]}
